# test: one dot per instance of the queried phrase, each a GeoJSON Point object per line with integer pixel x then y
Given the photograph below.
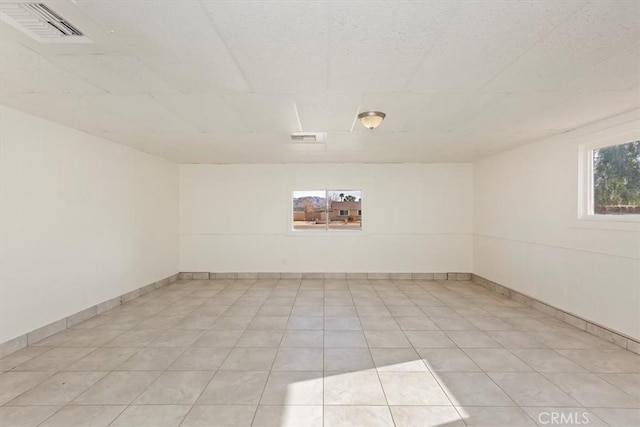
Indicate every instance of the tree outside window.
{"type": "Point", "coordinates": [616, 179]}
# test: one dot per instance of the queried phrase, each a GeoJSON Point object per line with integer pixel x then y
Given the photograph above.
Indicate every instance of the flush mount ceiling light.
{"type": "Point", "coordinates": [371, 119]}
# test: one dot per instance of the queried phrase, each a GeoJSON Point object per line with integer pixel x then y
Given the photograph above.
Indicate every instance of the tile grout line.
{"type": "Point", "coordinates": [161, 372]}
{"type": "Point", "coordinates": [221, 363]}
{"type": "Point", "coordinates": [581, 405]}
{"type": "Point", "coordinates": [277, 350]}
{"type": "Point", "coordinates": [375, 368]}
{"type": "Point", "coordinates": [146, 346]}
{"type": "Point", "coordinates": [418, 353]}
{"type": "Point", "coordinates": [324, 340]}
{"type": "Point", "coordinates": [374, 364]}
{"type": "Point", "coordinates": [492, 380]}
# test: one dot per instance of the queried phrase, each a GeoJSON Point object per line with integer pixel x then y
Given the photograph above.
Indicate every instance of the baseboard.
{"type": "Point", "coordinates": [325, 276]}
{"type": "Point", "coordinates": [43, 332]}
{"type": "Point", "coordinates": [586, 325]}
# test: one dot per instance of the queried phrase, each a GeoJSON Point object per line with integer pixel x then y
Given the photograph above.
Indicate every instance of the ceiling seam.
{"type": "Point", "coordinates": [224, 43]}
{"type": "Point", "coordinates": [328, 52]}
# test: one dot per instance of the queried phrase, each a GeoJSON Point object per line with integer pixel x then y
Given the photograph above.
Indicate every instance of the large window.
{"type": "Point", "coordinates": [327, 210]}
{"type": "Point", "coordinates": [616, 180]}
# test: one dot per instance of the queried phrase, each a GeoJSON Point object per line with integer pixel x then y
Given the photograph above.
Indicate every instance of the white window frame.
{"type": "Point", "coordinates": [585, 183]}
{"type": "Point", "coordinates": [326, 231]}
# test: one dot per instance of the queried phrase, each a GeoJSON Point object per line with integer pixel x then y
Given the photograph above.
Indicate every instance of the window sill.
{"type": "Point", "coordinates": [609, 222]}
{"type": "Point", "coordinates": [327, 233]}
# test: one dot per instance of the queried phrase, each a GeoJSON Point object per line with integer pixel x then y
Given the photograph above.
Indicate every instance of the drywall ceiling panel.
{"type": "Point", "coordinates": [230, 148]}
{"type": "Point", "coordinates": [483, 143]}
{"type": "Point", "coordinates": [22, 69]}
{"type": "Point", "coordinates": [346, 141]}
{"type": "Point", "coordinates": [619, 72]}
{"type": "Point", "coordinates": [143, 110]}
{"type": "Point", "coordinates": [582, 109]}
{"type": "Point", "coordinates": [483, 38]}
{"type": "Point", "coordinates": [206, 148]}
{"type": "Point", "coordinates": [159, 145]}
{"type": "Point", "coordinates": [459, 154]}
{"type": "Point", "coordinates": [175, 39]}
{"type": "Point", "coordinates": [293, 157]}
{"type": "Point", "coordinates": [280, 46]}
{"type": "Point", "coordinates": [114, 74]}
{"type": "Point", "coordinates": [314, 157]}
{"type": "Point", "coordinates": [10, 83]}
{"type": "Point", "coordinates": [70, 110]}
{"type": "Point", "coordinates": [265, 112]}
{"type": "Point", "coordinates": [595, 33]}
{"type": "Point", "coordinates": [513, 108]}
{"type": "Point", "coordinates": [207, 112]}
{"type": "Point", "coordinates": [377, 47]}
{"type": "Point", "coordinates": [305, 148]}
{"type": "Point", "coordinates": [388, 147]}
{"type": "Point", "coordinates": [328, 112]}
{"type": "Point", "coordinates": [448, 112]}
{"type": "Point", "coordinates": [256, 143]}
{"type": "Point", "coordinates": [256, 148]}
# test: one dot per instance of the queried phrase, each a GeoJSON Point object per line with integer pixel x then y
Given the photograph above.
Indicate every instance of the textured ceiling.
{"type": "Point", "coordinates": [227, 81]}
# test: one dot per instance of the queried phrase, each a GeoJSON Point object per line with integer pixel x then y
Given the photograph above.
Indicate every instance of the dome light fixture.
{"type": "Point", "coordinates": [371, 119]}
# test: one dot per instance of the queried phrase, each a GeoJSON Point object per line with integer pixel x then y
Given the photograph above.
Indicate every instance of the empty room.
{"type": "Point", "coordinates": [319, 213]}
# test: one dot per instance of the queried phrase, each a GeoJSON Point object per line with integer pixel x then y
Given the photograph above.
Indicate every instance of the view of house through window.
{"type": "Point", "coordinates": [616, 179]}
{"type": "Point", "coordinates": [327, 210]}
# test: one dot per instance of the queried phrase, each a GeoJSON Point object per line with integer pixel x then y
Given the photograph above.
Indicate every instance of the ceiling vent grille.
{"type": "Point", "coordinates": [309, 137]}
{"type": "Point", "coordinates": [40, 21]}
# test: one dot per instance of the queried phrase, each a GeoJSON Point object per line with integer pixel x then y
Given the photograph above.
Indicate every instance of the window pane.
{"type": "Point", "coordinates": [345, 209]}
{"type": "Point", "coordinates": [616, 179]}
{"type": "Point", "coordinates": [310, 210]}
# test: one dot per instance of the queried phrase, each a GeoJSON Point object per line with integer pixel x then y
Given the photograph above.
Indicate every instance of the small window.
{"type": "Point", "coordinates": [327, 210]}
{"type": "Point", "coordinates": [615, 180]}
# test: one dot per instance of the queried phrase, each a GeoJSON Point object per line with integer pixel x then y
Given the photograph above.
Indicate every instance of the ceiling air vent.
{"type": "Point", "coordinates": [40, 22]}
{"type": "Point", "coordinates": [309, 137]}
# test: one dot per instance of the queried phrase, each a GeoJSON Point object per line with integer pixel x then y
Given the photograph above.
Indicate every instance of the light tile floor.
{"type": "Point", "coordinates": [321, 353]}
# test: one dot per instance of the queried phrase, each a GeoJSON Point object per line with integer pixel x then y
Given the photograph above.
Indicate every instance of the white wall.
{"type": "Point", "coordinates": [416, 218]}
{"type": "Point", "coordinates": [82, 220]}
{"type": "Point", "coordinates": [528, 237]}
